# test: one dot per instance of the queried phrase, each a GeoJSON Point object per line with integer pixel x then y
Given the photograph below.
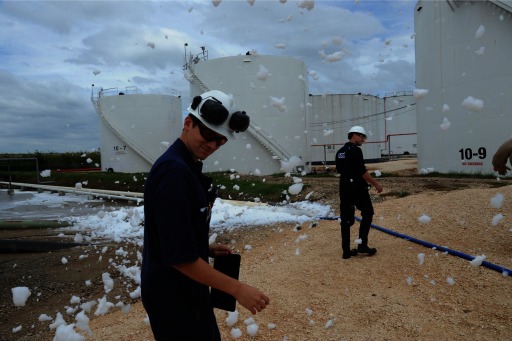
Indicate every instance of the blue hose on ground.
{"type": "Point", "coordinates": [491, 266]}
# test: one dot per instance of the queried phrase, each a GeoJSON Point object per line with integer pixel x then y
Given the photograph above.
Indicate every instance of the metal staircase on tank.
{"type": "Point", "coordinates": [257, 132]}
{"type": "Point", "coordinates": [125, 139]}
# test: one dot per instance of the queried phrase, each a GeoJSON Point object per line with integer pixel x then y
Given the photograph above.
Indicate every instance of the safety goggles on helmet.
{"type": "Point", "coordinates": [207, 134]}
{"type": "Point", "coordinates": [213, 112]}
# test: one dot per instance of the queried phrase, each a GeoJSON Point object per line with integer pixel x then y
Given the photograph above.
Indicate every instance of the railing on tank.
{"type": "Point", "coordinates": [335, 146]}
{"type": "Point", "coordinates": [192, 60]}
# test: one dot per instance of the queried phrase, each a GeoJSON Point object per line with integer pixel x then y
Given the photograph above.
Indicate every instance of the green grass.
{"type": "Point", "coordinates": [249, 187]}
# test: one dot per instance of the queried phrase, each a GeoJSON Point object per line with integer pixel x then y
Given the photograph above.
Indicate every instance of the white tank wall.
{"type": "Point", "coordinates": [400, 124]}
{"type": "Point", "coordinates": [389, 122]}
{"type": "Point", "coordinates": [147, 124]}
{"type": "Point", "coordinates": [448, 66]}
{"type": "Point", "coordinates": [238, 75]}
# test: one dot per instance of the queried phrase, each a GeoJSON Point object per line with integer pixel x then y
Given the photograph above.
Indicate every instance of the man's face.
{"type": "Point", "coordinates": [200, 140]}
{"type": "Point", "coordinates": [360, 139]}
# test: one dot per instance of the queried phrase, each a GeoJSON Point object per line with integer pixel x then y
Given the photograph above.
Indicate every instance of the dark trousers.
{"type": "Point", "coordinates": [350, 199]}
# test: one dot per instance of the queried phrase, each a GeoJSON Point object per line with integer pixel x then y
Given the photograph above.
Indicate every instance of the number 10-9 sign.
{"type": "Point", "coordinates": [469, 154]}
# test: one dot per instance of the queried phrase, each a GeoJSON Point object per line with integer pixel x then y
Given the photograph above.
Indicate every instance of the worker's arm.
{"type": "Point", "coordinates": [499, 159]}
{"type": "Point", "coordinates": [369, 179]}
{"type": "Point", "coordinates": [249, 297]}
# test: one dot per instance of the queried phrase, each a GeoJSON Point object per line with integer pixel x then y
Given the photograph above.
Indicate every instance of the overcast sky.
{"type": "Point", "coordinates": [51, 53]}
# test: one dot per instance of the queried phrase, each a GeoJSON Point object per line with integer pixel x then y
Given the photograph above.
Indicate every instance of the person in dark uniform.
{"type": "Point", "coordinates": [353, 191]}
{"type": "Point", "coordinates": [176, 276]}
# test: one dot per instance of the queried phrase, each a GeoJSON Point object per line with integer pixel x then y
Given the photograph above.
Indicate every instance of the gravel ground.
{"type": "Point", "coordinates": [389, 296]}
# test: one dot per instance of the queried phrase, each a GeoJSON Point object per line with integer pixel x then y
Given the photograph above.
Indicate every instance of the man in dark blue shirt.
{"type": "Point", "coordinates": [353, 190]}
{"type": "Point", "coordinates": [176, 275]}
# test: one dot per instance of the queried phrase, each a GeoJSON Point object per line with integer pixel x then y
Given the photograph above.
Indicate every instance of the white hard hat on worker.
{"type": "Point", "coordinates": [216, 110]}
{"type": "Point", "coordinates": [358, 130]}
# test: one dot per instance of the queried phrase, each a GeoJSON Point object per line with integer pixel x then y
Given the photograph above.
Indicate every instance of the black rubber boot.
{"type": "Point", "coordinates": [345, 243]}
{"type": "Point", "coordinates": [370, 251]}
{"type": "Point", "coordinates": [350, 253]}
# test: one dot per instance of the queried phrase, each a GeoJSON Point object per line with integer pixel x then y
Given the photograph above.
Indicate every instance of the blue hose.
{"type": "Point", "coordinates": [494, 267]}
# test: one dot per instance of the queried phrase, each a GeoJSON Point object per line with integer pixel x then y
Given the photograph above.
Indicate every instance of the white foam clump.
{"type": "Point", "coordinates": [46, 173]}
{"type": "Point", "coordinates": [328, 324]}
{"type": "Point", "coordinates": [236, 333]}
{"type": "Point", "coordinates": [59, 321]}
{"type": "Point", "coordinates": [301, 237]}
{"type": "Point", "coordinates": [424, 219]}
{"type": "Point", "coordinates": [480, 32]}
{"type": "Point", "coordinates": [419, 93]}
{"type": "Point", "coordinates": [232, 318]}
{"type": "Point", "coordinates": [295, 189]}
{"type": "Point", "coordinates": [450, 281]}
{"type": "Point", "coordinates": [252, 329]}
{"type": "Point", "coordinates": [377, 173]}
{"type": "Point", "coordinates": [249, 321]}
{"type": "Point", "coordinates": [20, 296]}
{"type": "Point", "coordinates": [427, 170]}
{"type": "Point", "coordinates": [108, 282]}
{"type": "Point", "coordinates": [44, 317]}
{"type": "Point", "coordinates": [262, 74]}
{"type": "Point", "coordinates": [496, 219]}
{"type": "Point", "coordinates": [290, 165]}
{"type": "Point", "coordinates": [103, 306]}
{"type": "Point", "coordinates": [278, 103]}
{"type": "Point", "coordinates": [497, 200]}
{"type": "Point", "coordinates": [74, 299]}
{"type": "Point", "coordinates": [328, 132]}
{"type": "Point", "coordinates": [446, 124]}
{"type": "Point", "coordinates": [421, 258]}
{"type": "Point", "coordinates": [478, 260]}
{"type": "Point", "coordinates": [212, 239]}
{"type": "Point", "coordinates": [473, 104]}
{"type": "Point", "coordinates": [307, 4]}
{"type": "Point", "coordinates": [271, 326]}
{"type": "Point", "coordinates": [82, 323]}
{"type": "Point", "coordinates": [64, 260]}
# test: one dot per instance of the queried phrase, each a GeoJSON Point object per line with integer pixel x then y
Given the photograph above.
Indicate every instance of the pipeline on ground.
{"type": "Point", "coordinates": [504, 271]}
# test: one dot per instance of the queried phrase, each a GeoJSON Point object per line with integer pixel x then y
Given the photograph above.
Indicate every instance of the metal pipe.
{"type": "Point", "coordinates": [489, 265]}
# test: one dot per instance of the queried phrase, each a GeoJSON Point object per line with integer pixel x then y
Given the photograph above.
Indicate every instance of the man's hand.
{"type": "Point", "coordinates": [219, 250]}
{"type": "Point", "coordinates": [251, 298]}
{"type": "Point", "coordinates": [378, 187]}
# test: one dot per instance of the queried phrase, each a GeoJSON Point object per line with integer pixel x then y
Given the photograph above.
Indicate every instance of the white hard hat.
{"type": "Point", "coordinates": [357, 129]}
{"type": "Point", "coordinates": [216, 110]}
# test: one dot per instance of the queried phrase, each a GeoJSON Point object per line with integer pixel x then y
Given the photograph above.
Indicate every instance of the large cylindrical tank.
{"type": "Point", "coordinates": [273, 92]}
{"type": "Point", "coordinates": [463, 51]}
{"type": "Point", "coordinates": [135, 129]}
{"type": "Point", "coordinates": [390, 123]}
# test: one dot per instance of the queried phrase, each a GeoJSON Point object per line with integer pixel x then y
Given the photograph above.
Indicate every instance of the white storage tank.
{"type": "Point", "coordinates": [390, 123]}
{"type": "Point", "coordinates": [273, 92]}
{"type": "Point", "coordinates": [463, 51]}
{"type": "Point", "coordinates": [135, 129]}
